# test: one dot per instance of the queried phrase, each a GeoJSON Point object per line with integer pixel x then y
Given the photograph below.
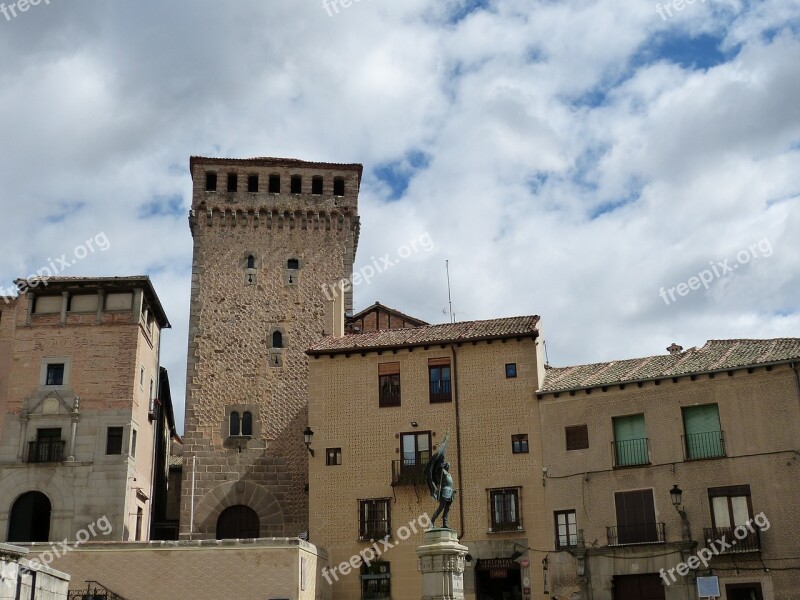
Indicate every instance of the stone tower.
{"type": "Point", "coordinates": [272, 238]}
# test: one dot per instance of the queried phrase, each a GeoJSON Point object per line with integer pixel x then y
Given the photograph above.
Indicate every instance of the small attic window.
{"type": "Point", "coordinates": [211, 182]}
{"type": "Point", "coordinates": [293, 264]}
{"type": "Point", "coordinates": [316, 186]}
{"type": "Point", "coordinates": [274, 184]}
{"type": "Point", "coordinates": [233, 182]}
{"type": "Point", "coordinates": [297, 184]}
{"type": "Point", "coordinates": [252, 183]}
{"type": "Point", "coordinates": [338, 186]}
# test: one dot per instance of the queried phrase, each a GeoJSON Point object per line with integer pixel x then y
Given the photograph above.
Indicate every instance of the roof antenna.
{"type": "Point", "coordinates": [449, 299]}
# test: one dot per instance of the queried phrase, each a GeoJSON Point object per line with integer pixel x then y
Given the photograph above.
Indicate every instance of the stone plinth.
{"type": "Point", "coordinates": [441, 562]}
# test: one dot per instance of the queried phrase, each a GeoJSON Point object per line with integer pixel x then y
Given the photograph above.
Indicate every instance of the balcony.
{"type": "Point", "coordinates": [408, 472]}
{"type": "Point", "coordinates": [631, 534]}
{"type": "Point", "coordinates": [720, 536]}
{"type": "Point", "coordinates": [700, 446]}
{"type": "Point", "coordinates": [46, 452]}
{"type": "Point", "coordinates": [440, 390]}
{"type": "Point", "coordinates": [631, 453]}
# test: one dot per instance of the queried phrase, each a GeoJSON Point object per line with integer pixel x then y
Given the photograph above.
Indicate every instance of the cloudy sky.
{"type": "Point", "coordinates": [570, 159]}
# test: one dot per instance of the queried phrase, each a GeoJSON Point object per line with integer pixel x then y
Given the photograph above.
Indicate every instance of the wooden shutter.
{"type": "Point", "coordinates": [392, 368]}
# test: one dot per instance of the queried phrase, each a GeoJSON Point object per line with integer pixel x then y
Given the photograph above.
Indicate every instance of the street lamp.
{"type": "Point", "coordinates": [308, 433]}
{"type": "Point", "coordinates": [676, 494]}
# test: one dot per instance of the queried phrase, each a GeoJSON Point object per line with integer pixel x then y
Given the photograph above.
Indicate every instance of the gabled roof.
{"type": "Point", "coordinates": [387, 309]}
{"type": "Point", "coordinates": [716, 355]}
{"type": "Point", "coordinates": [465, 331]}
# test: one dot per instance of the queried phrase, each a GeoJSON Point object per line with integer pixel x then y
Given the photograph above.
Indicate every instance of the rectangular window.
{"type": "Point", "coordinates": [389, 384]}
{"type": "Point", "coordinates": [139, 519]}
{"type": "Point", "coordinates": [114, 440]}
{"type": "Point", "coordinates": [519, 443]}
{"type": "Point", "coordinates": [731, 508]}
{"type": "Point", "coordinates": [376, 581]}
{"type": "Point", "coordinates": [703, 438]}
{"type": "Point", "coordinates": [577, 437]}
{"type": "Point", "coordinates": [141, 377]}
{"type": "Point", "coordinates": [338, 186]}
{"type": "Point", "coordinates": [133, 443]}
{"type": "Point", "coordinates": [274, 184]}
{"type": "Point", "coordinates": [333, 457]}
{"type": "Point", "coordinates": [636, 519]}
{"type": "Point", "coordinates": [211, 182]}
{"type": "Point", "coordinates": [630, 441]}
{"type": "Point", "coordinates": [55, 374]}
{"type": "Point", "coordinates": [416, 451]}
{"type": "Point", "coordinates": [374, 519]}
{"type": "Point", "coordinates": [297, 184]}
{"type": "Point", "coordinates": [48, 446]}
{"type": "Point", "coordinates": [566, 529]}
{"type": "Point", "coordinates": [505, 510]}
{"type": "Point", "coordinates": [252, 183]}
{"type": "Point", "coordinates": [233, 182]}
{"type": "Point", "coordinates": [316, 185]}
{"type": "Point", "coordinates": [439, 377]}
{"type": "Point", "coordinates": [511, 370]}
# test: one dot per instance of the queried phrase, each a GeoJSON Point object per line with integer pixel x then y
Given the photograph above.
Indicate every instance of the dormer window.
{"type": "Point", "coordinates": [211, 182]}
{"type": "Point", "coordinates": [338, 186]}
{"type": "Point", "coordinates": [274, 184]}
{"type": "Point", "coordinates": [316, 186]}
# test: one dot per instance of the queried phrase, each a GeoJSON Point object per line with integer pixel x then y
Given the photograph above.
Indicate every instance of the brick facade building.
{"type": "Point", "coordinates": [272, 238]}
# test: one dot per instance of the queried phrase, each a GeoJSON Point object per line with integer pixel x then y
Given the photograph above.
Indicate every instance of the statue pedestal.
{"type": "Point", "coordinates": [441, 562]}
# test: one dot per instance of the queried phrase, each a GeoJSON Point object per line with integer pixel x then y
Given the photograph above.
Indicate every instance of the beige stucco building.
{"type": "Point", "coordinates": [719, 422]}
{"type": "Point", "coordinates": [79, 385]}
{"type": "Point", "coordinates": [380, 403]}
{"type": "Point", "coordinates": [272, 240]}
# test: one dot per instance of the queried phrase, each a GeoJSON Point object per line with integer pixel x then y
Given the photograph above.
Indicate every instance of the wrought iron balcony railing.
{"type": "Point", "coordinates": [46, 452]}
{"type": "Point", "coordinates": [639, 533]}
{"type": "Point", "coordinates": [93, 591]}
{"type": "Point", "coordinates": [408, 472]}
{"type": "Point", "coordinates": [697, 446]}
{"type": "Point", "coordinates": [440, 390]}
{"type": "Point", "coordinates": [629, 453]}
{"type": "Point", "coordinates": [746, 541]}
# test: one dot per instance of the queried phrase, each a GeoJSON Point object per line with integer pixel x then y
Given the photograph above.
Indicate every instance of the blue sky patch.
{"type": "Point", "coordinates": [397, 175]}
{"type": "Point", "coordinates": [65, 210]}
{"type": "Point", "coordinates": [690, 52]}
{"type": "Point", "coordinates": [162, 206]}
{"type": "Point", "coordinates": [465, 8]}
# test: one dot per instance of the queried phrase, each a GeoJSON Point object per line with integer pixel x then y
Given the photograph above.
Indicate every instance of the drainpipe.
{"type": "Point", "coordinates": [458, 444]}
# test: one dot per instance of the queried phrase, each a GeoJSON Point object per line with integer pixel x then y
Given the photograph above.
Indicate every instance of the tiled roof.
{"type": "Point", "coordinates": [716, 355]}
{"type": "Point", "coordinates": [267, 161]}
{"type": "Point", "coordinates": [429, 334]}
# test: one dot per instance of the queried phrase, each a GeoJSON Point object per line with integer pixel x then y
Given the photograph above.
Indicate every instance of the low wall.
{"type": "Point", "coordinates": [263, 569]}
{"type": "Point", "coordinates": [18, 581]}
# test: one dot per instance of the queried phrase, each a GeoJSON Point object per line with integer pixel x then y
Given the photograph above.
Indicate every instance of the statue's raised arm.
{"type": "Point", "coordinates": [440, 482]}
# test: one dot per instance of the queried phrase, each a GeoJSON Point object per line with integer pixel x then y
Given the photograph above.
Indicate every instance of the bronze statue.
{"type": "Point", "coordinates": [440, 482]}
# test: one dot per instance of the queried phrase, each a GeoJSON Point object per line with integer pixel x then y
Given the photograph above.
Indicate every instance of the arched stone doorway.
{"type": "Point", "coordinates": [238, 522]}
{"type": "Point", "coordinates": [29, 518]}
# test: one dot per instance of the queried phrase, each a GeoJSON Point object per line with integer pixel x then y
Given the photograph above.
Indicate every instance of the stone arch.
{"type": "Point", "coordinates": [246, 493]}
{"type": "Point", "coordinates": [52, 486]}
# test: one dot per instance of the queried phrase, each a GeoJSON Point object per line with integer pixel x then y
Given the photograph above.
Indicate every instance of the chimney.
{"type": "Point", "coordinates": [675, 349]}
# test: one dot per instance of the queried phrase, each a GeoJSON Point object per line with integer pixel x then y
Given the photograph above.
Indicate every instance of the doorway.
{"type": "Point", "coordinates": [744, 591]}
{"type": "Point", "coordinates": [639, 587]}
{"type": "Point", "coordinates": [498, 579]}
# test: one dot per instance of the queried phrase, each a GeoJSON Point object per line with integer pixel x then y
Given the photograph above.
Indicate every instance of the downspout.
{"type": "Point", "coordinates": [458, 444]}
